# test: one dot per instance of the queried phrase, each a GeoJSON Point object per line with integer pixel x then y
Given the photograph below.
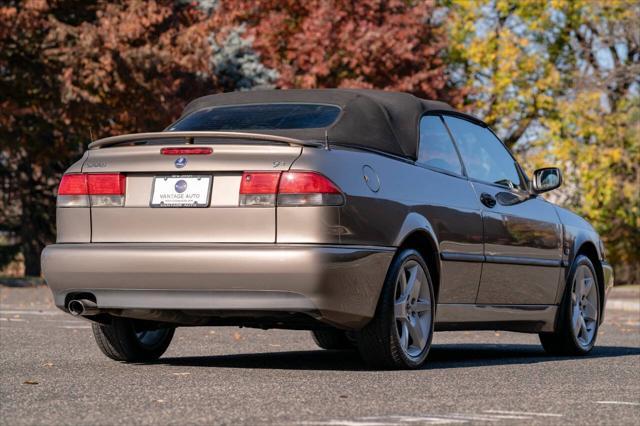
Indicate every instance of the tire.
{"type": "Point", "coordinates": [332, 339]}
{"type": "Point", "coordinates": [579, 316]}
{"type": "Point", "coordinates": [130, 341]}
{"type": "Point", "coordinates": [399, 335]}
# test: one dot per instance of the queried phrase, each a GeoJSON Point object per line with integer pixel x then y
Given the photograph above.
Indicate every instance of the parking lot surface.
{"type": "Point", "coordinates": [51, 372]}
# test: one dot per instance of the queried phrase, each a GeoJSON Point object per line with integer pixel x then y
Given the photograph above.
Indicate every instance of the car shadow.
{"type": "Point", "coordinates": [441, 356]}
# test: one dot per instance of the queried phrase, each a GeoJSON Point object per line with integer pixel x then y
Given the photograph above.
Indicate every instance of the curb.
{"type": "Point", "coordinates": [623, 305]}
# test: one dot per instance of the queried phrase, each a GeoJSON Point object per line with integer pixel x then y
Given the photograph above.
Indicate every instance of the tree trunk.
{"type": "Point", "coordinates": [31, 251]}
{"type": "Point", "coordinates": [37, 216]}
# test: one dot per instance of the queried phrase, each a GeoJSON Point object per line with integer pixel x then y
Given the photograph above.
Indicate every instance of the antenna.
{"type": "Point", "coordinates": [326, 139]}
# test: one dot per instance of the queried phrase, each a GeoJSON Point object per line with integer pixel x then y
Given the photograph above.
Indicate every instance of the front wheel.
{"type": "Point", "coordinates": [399, 336]}
{"type": "Point", "coordinates": [579, 313]}
{"type": "Point", "coordinates": [132, 341]}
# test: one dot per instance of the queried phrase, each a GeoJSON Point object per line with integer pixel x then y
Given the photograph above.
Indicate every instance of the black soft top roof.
{"type": "Point", "coordinates": [374, 119]}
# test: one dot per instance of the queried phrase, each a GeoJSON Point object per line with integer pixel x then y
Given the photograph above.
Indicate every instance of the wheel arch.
{"type": "Point", "coordinates": [424, 242]}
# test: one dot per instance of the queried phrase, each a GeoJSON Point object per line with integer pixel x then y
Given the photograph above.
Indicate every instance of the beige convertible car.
{"type": "Point", "coordinates": [370, 218]}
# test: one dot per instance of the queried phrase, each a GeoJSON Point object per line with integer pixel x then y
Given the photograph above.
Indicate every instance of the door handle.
{"type": "Point", "coordinates": [487, 200]}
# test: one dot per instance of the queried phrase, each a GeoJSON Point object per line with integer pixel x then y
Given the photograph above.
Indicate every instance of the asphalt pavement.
{"type": "Point", "coordinates": [51, 372]}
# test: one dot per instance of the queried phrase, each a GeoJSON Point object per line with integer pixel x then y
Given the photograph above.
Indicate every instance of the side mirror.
{"type": "Point", "coordinates": [546, 179]}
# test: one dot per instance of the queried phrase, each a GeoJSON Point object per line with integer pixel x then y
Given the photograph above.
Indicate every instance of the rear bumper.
{"type": "Point", "coordinates": [338, 285]}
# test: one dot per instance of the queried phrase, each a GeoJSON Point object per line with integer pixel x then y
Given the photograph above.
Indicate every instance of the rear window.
{"type": "Point", "coordinates": [259, 117]}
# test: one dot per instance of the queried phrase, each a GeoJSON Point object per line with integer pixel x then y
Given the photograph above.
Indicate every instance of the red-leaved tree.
{"type": "Point", "coordinates": [69, 69]}
{"type": "Point", "coordinates": [393, 44]}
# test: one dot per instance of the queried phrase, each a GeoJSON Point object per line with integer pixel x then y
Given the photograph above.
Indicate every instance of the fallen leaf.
{"type": "Point", "coordinates": [181, 374]}
{"type": "Point", "coordinates": [30, 382]}
{"type": "Point", "coordinates": [237, 336]}
{"type": "Point", "coordinates": [47, 364]}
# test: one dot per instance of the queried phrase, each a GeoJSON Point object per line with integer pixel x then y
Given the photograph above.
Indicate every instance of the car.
{"type": "Point", "coordinates": [370, 218]}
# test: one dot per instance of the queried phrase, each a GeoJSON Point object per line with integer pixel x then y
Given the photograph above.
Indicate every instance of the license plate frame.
{"type": "Point", "coordinates": [171, 200]}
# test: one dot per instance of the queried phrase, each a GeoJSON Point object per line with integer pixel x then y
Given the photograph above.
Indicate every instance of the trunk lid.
{"type": "Point", "coordinates": [221, 220]}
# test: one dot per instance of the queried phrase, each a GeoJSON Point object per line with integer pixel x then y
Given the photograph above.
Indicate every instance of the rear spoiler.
{"type": "Point", "coordinates": [190, 136]}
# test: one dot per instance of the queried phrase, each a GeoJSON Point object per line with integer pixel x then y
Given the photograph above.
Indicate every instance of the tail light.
{"type": "Point", "coordinates": [259, 188]}
{"type": "Point", "coordinates": [308, 189]}
{"type": "Point", "coordinates": [288, 189]}
{"type": "Point", "coordinates": [95, 189]}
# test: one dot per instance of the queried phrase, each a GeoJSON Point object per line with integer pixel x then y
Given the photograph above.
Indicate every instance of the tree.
{"type": "Point", "coordinates": [510, 55]}
{"type": "Point", "coordinates": [395, 45]}
{"type": "Point", "coordinates": [560, 82]}
{"type": "Point", "coordinates": [73, 69]}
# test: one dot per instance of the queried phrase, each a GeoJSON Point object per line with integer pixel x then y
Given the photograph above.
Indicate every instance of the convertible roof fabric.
{"type": "Point", "coordinates": [374, 119]}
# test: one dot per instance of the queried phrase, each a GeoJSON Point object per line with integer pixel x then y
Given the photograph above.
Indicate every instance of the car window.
{"type": "Point", "coordinates": [484, 156]}
{"type": "Point", "coordinates": [436, 147]}
{"type": "Point", "coordinates": [259, 117]}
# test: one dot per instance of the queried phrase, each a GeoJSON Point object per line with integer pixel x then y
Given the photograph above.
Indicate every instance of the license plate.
{"type": "Point", "coordinates": [181, 191]}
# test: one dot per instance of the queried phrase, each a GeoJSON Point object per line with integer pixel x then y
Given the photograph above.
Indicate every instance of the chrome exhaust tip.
{"type": "Point", "coordinates": [82, 307]}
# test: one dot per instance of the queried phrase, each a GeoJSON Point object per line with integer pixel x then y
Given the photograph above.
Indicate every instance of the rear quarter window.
{"type": "Point", "coordinates": [259, 117]}
{"type": "Point", "coordinates": [436, 146]}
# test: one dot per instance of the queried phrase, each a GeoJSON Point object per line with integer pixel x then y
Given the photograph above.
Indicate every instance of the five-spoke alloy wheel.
{"type": "Point", "coordinates": [412, 308]}
{"type": "Point", "coordinates": [584, 302]}
{"type": "Point", "coordinates": [399, 335]}
{"type": "Point", "coordinates": [577, 326]}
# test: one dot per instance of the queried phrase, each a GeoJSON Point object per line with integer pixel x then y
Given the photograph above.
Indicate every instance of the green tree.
{"type": "Point", "coordinates": [560, 82]}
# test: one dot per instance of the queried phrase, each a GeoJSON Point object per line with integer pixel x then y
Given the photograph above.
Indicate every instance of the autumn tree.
{"type": "Point", "coordinates": [72, 69]}
{"type": "Point", "coordinates": [75, 70]}
{"type": "Point", "coordinates": [560, 82]}
{"type": "Point", "coordinates": [394, 45]}
{"type": "Point", "coordinates": [595, 129]}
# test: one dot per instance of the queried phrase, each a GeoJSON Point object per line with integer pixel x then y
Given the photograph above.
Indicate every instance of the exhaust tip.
{"type": "Point", "coordinates": [82, 307]}
{"type": "Point", "coordinates": [76, 307]}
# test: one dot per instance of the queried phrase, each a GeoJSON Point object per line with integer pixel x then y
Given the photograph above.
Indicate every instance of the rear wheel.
{"type": "Point", "coordinates": [399, 336]}
{"type": "Point", "coordinates": [332, 339]}
{"type": "Point", "coordinates": [132, 341]}
{"type": "Point", "coordinates": [579, 313]}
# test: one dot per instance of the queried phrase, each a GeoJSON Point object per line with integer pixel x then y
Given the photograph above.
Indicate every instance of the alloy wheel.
{"type": "Point", "coordinates": [412, 309]}
{"type": "Point", "coordinates": [584, 306]}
